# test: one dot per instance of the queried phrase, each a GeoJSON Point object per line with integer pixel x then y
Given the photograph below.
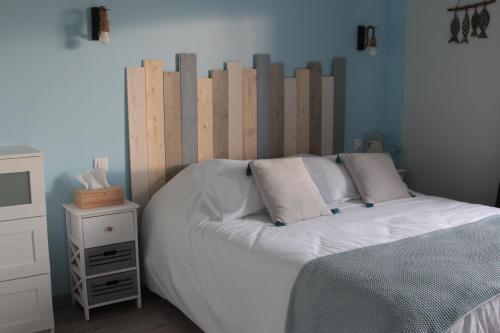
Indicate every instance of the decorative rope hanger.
{"type": "Point", "coordinates": [475, 5]}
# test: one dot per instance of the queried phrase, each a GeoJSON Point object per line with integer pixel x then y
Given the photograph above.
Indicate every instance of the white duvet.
{"type": "Point", "coordinates": [236, 276]}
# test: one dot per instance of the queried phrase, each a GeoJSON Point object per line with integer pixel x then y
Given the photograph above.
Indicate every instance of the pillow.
{"type": "Point", "coordinates": [287, 190]}
{"type": "Point", "coordinates": [376, 177]}
{"type": "Point", "coordinates": [227, 191]}
{"type": "Point", "coordinates": [332, 179]}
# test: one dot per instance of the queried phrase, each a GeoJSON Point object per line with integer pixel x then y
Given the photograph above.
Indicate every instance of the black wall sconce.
{"type": "Point", "coordinates": [367, 39]}
{"type": "Point", "coordinates": [100, 24]}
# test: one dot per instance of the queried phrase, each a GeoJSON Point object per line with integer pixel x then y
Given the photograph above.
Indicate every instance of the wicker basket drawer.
{"type": "Point", "coordinates": [112, 287]}
{"type": "Point", "coordinates": [110, 258]}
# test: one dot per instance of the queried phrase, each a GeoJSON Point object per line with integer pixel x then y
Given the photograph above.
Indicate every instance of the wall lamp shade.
{"type": "Point", "coordinates": [367, 39]}
{"type": "Point", "coordinates": [100, 24]}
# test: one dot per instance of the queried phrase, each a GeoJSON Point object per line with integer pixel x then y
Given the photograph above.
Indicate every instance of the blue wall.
{"type": "Point", "coordinates": [66, 95]}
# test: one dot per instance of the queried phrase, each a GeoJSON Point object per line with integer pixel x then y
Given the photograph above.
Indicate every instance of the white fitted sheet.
{"type": "Point", "coordinates": [236, 276]}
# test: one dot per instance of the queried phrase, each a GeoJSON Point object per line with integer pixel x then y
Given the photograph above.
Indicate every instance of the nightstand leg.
{"type": "Point", "coordinates": [86, 313]}
{"type": "Point", "coordinates": [139, 303]}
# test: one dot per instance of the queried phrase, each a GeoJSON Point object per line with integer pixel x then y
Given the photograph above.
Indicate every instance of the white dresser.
{"type": "Point", "coordinates": [25, 289]}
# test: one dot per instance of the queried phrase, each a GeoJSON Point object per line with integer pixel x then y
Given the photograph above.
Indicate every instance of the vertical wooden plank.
{"type": "Point", "coordinates": [249, 114]}
{"type": "Point", "coordinates": [235, 106]}
{"type": "Point", "coordinates": [173, 123]}
{"type": "Point", "coordinates": [277, 110]}
{"type": "Point", "coordinates": [315, 82]}
{"type": "Point", "coordinates": [156, 124]}
{"type": "Point", "coordinates": [189, 92]}
{"type": "Point", "coordinates": [262, 63]}
{"type": "Point", "coordinates": [137, 133]}
{"type": "Point", "coordinates": [303, 111]}
{"type": "Point", "coordinates": [327, 116]}
{"type": "Point", "coordinates": [339, 72]}
{"type": "Point", "coordinates": [221, 114]}
{"type": "Point", "coordinates": [205, 120]}
{"type": "Point", "coordinates": [290, 122]}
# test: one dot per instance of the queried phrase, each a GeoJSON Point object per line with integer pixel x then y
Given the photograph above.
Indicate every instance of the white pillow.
{"type": "Point", "coordinates": [227, 191]}
{"type": "Point", "coordinates": [332, 179]}
{"type": "Point", "coordinates": [376, 177]}
{"type": "Point", "coordinates": [288, 191]}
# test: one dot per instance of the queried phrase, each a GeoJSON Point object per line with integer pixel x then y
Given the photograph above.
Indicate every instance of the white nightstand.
{"type": "Point", "coordinates": [103, 255]}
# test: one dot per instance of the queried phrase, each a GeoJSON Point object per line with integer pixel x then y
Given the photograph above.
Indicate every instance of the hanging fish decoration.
{"type": "Point", "coordinates": [455, 29]}
{"type": "Point", "coordinates": [476, 25]}
{"type": "Point", "coordinates": [475, 22]}
{"type": "Point", "coordinates": [484, 22]}
{"type": "Point", "coordinates": [466, 28]}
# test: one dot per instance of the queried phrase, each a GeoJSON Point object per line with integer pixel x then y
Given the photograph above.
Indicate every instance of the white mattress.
{"type": "Point", "coordinates": [236, 276]}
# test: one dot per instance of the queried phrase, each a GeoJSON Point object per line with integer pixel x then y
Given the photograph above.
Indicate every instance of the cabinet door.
{"type": "Point", "coordinates": [26, 305]}
{"type": "Point", "coordinates": [23, 248]}
{"type": "Point", "coordinates": [22, 192]}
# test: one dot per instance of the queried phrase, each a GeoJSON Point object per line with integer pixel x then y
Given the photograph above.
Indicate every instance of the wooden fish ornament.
{"type": "Point", "coordinates": [475, 22]}
{"type": "Point", "coordinates": [484, 22]}
{"type": "Point", "coordinates": [455, 29]}
{"type": "Point", "coordinates": [466, 28]}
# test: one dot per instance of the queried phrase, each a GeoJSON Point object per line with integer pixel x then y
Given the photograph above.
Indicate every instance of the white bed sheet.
{"type": "Point", "coordinates": [236, 276]}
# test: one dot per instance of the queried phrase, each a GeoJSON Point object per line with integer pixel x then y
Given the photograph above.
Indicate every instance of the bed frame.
{"type": "Point", "coordinates": [176, 119]}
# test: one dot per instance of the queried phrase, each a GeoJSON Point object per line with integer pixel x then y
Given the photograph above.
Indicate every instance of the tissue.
{"type": "Point", "coordinates": [93, 179]}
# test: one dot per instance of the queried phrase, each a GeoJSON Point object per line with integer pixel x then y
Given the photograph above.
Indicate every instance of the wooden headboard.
{"type": "Point", "coordinates": [176, 119]}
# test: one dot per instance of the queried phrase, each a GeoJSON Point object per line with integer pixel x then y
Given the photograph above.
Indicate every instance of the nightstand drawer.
{"type": "Point", "coordinates": [112, 287]}
{"type": "Point", "coordinates": [109, 258]}
{"type": "Point", "coordinates": [108, 229]}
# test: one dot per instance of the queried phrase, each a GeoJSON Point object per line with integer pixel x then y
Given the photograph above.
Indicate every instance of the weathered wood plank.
{"type": "Point", "coordinates": [138, 135]}
{"type": "Point", "coordinates": [327, 116]}
{"type": "Point", "coordinates": [173, 123]}
{"type": "Point", "coordinates": [205, 120]}
{"type": "Point", "coordinates": [315, 107]}
{"type": "Point", "coordinates": [263, 65]}
{"type": "Point", "coordinates": [290, 122]}
{"type": "Point", "coordinates": [156, 124]}
{"type": "Point", "coordinates": [221, 114]}
{"type": "Point", "coordinates": [339, 72]}
{"type": "Point", "coordinates": [249, 114]}
{"type": "Point", "coordinates": [303, 111]}
{"type": "Point", "coordinates": [189, 91]}
{"type": "Point", "coordinates": [277, 110]}
{"type": "Point", "coordinates": [235, 106]}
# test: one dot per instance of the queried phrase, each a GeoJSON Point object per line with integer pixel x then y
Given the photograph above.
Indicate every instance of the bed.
{"type": "Point", "coordinates": [237, 275]}
{"type": "Point", "coordinates": [233, 270]}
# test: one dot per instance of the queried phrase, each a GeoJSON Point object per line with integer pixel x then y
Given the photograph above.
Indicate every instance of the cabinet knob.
{"type": "Point", "coordinates": [109, 229]}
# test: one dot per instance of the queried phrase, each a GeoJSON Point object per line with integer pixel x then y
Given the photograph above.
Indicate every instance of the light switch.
{"type": "Point", "coordinates": [101, 163]}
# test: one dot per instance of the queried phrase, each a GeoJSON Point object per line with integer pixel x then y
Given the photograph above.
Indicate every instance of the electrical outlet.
{"type": "Point", "coordinates": [358, 145]}
{"type": "Point", "coordinates": [101, 163]}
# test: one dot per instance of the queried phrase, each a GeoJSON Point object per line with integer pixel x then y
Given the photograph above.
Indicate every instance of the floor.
{"type": "Point", "coordinates": [156, 315]}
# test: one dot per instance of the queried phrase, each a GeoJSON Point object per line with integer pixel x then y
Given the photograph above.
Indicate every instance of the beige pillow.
{"type": "Point", "coordinates": [375, 177]}
{"type": "Point", "coordinates": [287, 190]}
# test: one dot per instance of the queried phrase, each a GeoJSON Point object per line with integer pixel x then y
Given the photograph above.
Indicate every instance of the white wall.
{"type": "Point", "coordinates": [451, 134]}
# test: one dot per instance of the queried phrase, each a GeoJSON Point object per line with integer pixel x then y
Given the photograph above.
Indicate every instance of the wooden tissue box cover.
{"type": "Point", "coordinates": [103, 197]}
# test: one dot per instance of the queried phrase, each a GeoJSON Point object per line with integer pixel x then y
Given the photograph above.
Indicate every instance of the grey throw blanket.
{"type": "Point", "coordinates": [422, 284]}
